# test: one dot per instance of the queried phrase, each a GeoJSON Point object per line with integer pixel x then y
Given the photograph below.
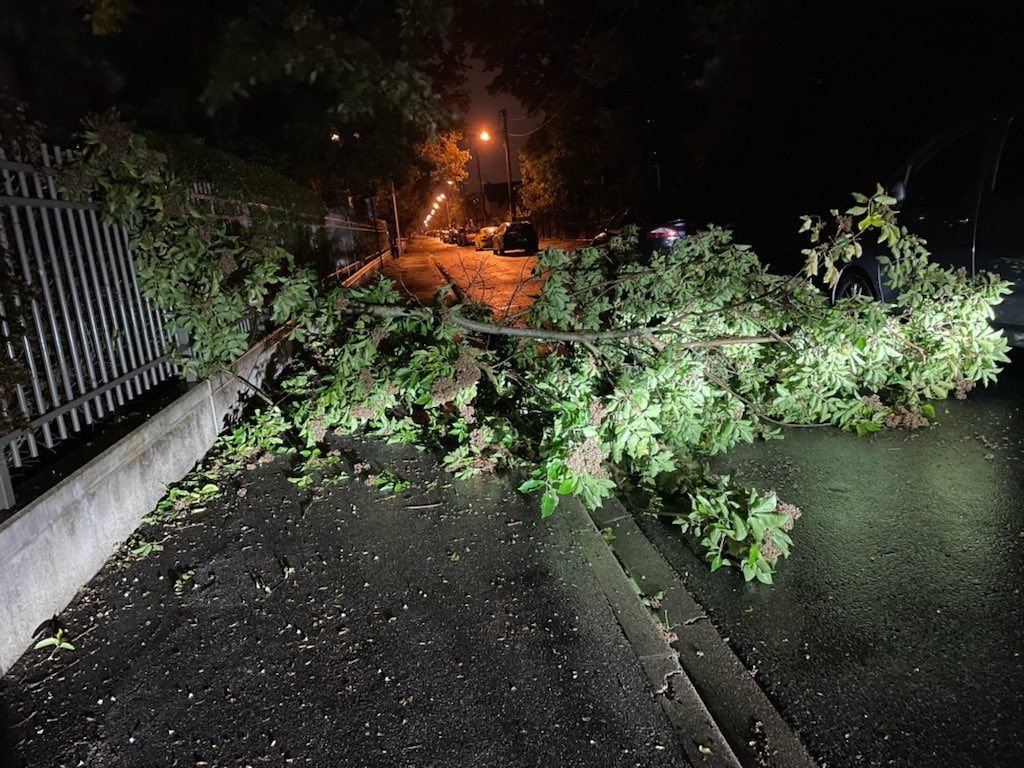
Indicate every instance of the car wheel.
{"type": "Point", "coordinates": [855, 285]}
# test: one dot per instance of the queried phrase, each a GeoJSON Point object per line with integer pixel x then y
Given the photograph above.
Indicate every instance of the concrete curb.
{"type": "Point", "coordinates": [700, 737]}
{"type": "Point", "coordinates": [748, 722]}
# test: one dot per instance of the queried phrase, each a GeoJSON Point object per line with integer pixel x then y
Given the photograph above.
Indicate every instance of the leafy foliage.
{"type": "Point", "coordinates": [206, 278]}
{"type": "Point", "coordinates": [270, 80]}
{"type": "Point", "coordinates": [631, 372]}
{"type": "Point", "coordinates": [625, 371]}
{"type": "Point", "coordinates": [445, 157]}
{"type": "Point", "coordinates": [19, 138]}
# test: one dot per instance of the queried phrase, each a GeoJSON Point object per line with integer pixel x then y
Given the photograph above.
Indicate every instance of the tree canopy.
{"type": "Point", "coordinates": [699, 107]}
{"type": "Point", "coordinates": [338, 95]}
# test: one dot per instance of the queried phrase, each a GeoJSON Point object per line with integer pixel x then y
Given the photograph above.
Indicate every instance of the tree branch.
{"type": "Point", "coordinates": [578, 337]}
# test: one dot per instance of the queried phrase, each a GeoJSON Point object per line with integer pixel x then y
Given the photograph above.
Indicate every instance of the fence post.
{"type": "Point", "coordinates": [6, 488]}
{"type": "Point", "coordinates": [185, 351]}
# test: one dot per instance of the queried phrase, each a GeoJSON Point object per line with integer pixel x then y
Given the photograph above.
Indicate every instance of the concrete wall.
{"type": "Point", "coordinates": [57, 543]}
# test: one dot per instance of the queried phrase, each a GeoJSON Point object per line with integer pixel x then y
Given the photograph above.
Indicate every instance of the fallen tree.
{"type": "Point", "coordinates": [633, 374]}
{"type": "Point", "coordinates": [624, 373]}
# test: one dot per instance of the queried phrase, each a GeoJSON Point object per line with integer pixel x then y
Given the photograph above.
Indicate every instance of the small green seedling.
{"type": "Point", "coordinates": [183, 583]}
{"type": "Point", "coordinates": [146, 548]}
{"type": "Point", "coordinates": [390, 482]}
{"type": "Point", "coordinates": [55, 638]}
{"type": "Point", "coordinates": [57, 642]}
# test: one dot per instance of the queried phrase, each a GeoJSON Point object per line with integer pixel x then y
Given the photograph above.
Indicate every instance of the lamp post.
{"type": "Point", "coordinates": [484, 136]}
{"type": "Point", "coordinates": [508, 164]}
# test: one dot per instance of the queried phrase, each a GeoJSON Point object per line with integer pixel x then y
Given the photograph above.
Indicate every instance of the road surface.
{"type": "Point", "coordinates": [504, 283]}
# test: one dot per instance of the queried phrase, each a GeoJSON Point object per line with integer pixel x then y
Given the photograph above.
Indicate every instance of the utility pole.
{"type": "Point", "coordinates": [503, 115]}
{"type": "Point", "coordinates": [398, 232]}
{"type": "Point", "coordinates": [483, 199]}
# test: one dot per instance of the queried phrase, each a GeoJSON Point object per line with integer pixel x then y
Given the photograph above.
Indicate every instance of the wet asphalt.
{"type": "Point", "coordinates": [446, 625]}
{"type": "Point", "coordinates": [894, 634]}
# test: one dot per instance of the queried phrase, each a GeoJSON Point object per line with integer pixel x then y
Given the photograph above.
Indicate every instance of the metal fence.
{"type": "Point", "coordinates": [74, 318]}
{"type": "Point", "coordinates": [354, 243]}
{"type": "Point", "coordinates": [73, 315]}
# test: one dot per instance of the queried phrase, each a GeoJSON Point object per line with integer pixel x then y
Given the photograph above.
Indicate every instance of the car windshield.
{"type": "Point", "coordinates": [621, 219]}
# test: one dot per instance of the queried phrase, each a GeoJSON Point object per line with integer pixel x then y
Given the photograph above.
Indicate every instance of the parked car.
{"type": "Point", "coordinates": [465, 235]}
{"type": "Point", "coordinates": [515, 236]}
{"type": "Point", "coordinates": [656, 233]}
{"type": "Point", "coordinates": [964, 194]}
{"type": "Point", "coordinates": [485, 237]}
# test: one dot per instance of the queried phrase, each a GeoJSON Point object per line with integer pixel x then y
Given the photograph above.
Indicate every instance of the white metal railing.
{"type": "Point", "coordinates": [90, 341]}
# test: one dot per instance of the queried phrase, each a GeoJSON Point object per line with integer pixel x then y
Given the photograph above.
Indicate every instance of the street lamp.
{"type": "Point", "coordinates": [447, 208]}
{"type": "Point", "coordinates": [503, 115]}
{"type": "Point", "coordinates": [483, 136]}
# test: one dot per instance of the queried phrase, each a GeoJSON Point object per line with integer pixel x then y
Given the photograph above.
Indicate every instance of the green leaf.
{"type": "Point", "coordinates": [548, 504]}
{"type": "Point", "coordinates": [928, 411]}
{"type": "Point", "coordinates": [739, 528]}
{"type": "Point", "coordinates": [531, 485]}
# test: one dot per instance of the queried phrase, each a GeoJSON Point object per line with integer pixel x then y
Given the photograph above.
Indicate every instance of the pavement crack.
{"type": "Point", "coordinates": [666, 689]}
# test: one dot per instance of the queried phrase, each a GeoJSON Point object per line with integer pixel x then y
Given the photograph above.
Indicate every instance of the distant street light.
{"type": "Point", "coordinates": [447, 208]}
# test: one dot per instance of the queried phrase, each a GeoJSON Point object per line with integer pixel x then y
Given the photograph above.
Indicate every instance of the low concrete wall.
{"type": "Point", "coordinates": [57, 543]}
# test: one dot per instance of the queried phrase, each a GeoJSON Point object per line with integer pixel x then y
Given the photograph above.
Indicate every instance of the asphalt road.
{"type": "Point", "coordinates": [505, 283]}
{"type": "Point", "coordinates": [894, 634]}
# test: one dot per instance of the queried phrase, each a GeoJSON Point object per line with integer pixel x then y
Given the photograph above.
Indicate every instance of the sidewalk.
{"type": "Point", "coordinates": [446, 625]}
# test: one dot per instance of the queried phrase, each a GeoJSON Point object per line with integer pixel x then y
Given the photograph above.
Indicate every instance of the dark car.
{"type": "Point", "coordinates": [656, 233]}
{"type": "Point", "coordinates": [964, 194]}
{"type": "Point", "coordinates": [465, 235]}
{"type": "Point", "coordinates": [515, 236]}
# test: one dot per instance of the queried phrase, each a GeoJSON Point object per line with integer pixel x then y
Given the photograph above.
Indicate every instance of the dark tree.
{"type": "Point", "coordinates": [337, 95]}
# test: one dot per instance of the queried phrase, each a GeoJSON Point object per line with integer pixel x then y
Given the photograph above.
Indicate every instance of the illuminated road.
{"type": "Point", "coordinates": [504, 283]}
